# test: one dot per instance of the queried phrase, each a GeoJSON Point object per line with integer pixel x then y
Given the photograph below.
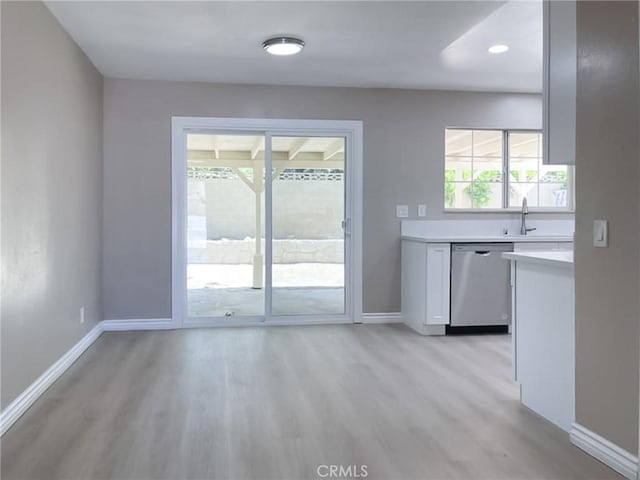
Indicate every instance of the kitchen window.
{"type": "Point", "coordinates": [495, 169]}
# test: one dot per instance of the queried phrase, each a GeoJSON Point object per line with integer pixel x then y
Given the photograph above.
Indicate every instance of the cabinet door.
{"type": "Point", "coordinates": [559, 82]}
{"type": "Point", "coordinates": [438, 283]}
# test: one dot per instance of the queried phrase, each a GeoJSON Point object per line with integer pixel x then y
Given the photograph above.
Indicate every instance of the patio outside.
{"type": "Point", "coordinates": [225, 271]}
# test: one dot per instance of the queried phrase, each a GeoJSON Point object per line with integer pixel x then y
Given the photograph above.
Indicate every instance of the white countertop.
{"type": "Point", "coordinates": [487, 238]}
{"type": "Point", "coordinates": [555, 258]}
{"type": "Point", "coordinates": [489, 230]}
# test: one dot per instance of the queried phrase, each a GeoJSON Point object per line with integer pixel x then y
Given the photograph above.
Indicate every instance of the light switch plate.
{"type": "Point", "coordinates": [600, 233]}
{"type": "Point", "coordinates": [402, 211]}
{"type": "Point", "coordinates": [422, 210]}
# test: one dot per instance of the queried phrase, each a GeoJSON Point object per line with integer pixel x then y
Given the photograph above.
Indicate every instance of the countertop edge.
{"type": "Point", "coordinates": [489, 239]}
{"type": "Point", "coordinates": [541, 258]}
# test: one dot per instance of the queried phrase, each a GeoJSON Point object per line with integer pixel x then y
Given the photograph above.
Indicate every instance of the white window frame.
{"type": "Point", "coordinates": [352, 131]}
{"type": "Point", "coordinates": [570, 208]}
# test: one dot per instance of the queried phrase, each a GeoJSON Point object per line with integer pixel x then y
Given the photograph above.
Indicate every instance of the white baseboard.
{"type": "Point", "coordinates": [27, 398]}
{"type": "Point", "coordinates": [166, 323]}
{"type": "Point", "coordinates": [137, 324]}
{"type": "Point", "coordinates": [607, 452]}
{"type": "Point", "coordinates": [290, 321]}
{"type": "Point", "coordinates": [373, 318]}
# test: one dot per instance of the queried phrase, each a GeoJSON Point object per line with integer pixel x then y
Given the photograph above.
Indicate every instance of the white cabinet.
{"type": "Point", "coordinates": [545, 339]}
{"type": "Point", "coordinates": [426, 282]}
{"type": "Point", "coordinates": [425, 286]}
{"type": "Point", "coordinates": [559, 81]}
{"type": "Point", "coordinates": [414, 284]}
{"type": "Point", "coordinates": [528, 247]}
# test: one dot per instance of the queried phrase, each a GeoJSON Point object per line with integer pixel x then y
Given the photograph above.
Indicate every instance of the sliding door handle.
{"type": "Point", "coordinates": [346, 226]}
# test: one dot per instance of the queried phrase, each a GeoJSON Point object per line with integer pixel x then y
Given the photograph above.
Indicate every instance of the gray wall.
{"type": "Point", "coordinates": [403, 163]}
{"type": "Point", "coordinates": [608, 175]}
{"type": "Point", "coordinates": [51, 194]}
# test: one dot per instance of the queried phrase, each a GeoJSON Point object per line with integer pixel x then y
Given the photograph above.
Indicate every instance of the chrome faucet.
{"type": "Point", "coordinates": [525, 211]}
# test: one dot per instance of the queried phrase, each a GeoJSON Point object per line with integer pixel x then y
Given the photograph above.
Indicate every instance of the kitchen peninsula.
{"type": "Point", "coordinates": [544, 332]}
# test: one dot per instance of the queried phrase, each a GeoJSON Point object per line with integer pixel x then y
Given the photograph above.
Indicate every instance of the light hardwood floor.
{"type": "Point", "coordinates": [275, 403]}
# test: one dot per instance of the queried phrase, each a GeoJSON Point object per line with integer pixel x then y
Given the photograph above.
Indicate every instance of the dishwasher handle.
{"type": "Point", "coordinates": [482, 247]}
{"type": "Point", "coordinates": [483, 253]}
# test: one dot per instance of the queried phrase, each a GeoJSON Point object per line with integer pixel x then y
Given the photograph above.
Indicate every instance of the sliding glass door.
{"type": "Point", "coordinates": [266, 227]}
{"type": "Point", "coordinates": [225, 225]}
{"type": "Point", "coordinates": [308, 218]}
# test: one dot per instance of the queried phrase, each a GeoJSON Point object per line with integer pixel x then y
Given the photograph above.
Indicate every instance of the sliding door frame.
{"type": "Point", "coordinates": [350, 130]}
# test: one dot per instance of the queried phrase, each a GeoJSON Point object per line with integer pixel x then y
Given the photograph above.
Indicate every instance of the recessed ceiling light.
{"type": "Point", "coordinates": [283, 45]}
{"type": "Point", "coordinates": [498, 48]}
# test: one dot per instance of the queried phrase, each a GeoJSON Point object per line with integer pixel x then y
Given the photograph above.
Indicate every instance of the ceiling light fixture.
{"type": "Point", "coordinates": [498, 48]}
{"type": "Point", "coordinates": [283, 45]}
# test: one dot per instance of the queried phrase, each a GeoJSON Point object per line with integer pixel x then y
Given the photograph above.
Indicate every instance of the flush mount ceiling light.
{"type": "Point", "coordinates": [498, 48]}
{"type": "Point", "coordinates": [283, 45]}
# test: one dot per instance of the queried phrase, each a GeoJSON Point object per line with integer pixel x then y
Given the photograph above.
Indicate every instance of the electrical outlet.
{"type": "Point", "coordinates": [402, 211]}
{"type": "Point", "coordinates": [81, 314]}
{"type": "Point", "coordinates": [422, 210]}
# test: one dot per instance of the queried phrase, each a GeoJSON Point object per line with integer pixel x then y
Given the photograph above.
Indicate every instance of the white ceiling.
{"type": "Point", "coordinates": [423, 45]}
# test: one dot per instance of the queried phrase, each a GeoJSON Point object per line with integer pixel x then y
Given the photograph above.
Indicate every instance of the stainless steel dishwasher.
{"type": "Point", "coordinates": [480, 287]}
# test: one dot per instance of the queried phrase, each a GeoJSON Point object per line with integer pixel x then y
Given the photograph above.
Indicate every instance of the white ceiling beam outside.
{"type": "Point", "coordinates": [335, 148]}
{"type": "Point", "coordinates": [474, 146]}
{"type": "Point", "coordinates": [259, 146]}
{"type": "Point", "coordinates": [297, 147]}
{"type": "Point", "coordinates": [285, 164]}
{"type": "Point", "coordinates": [247, 155]}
